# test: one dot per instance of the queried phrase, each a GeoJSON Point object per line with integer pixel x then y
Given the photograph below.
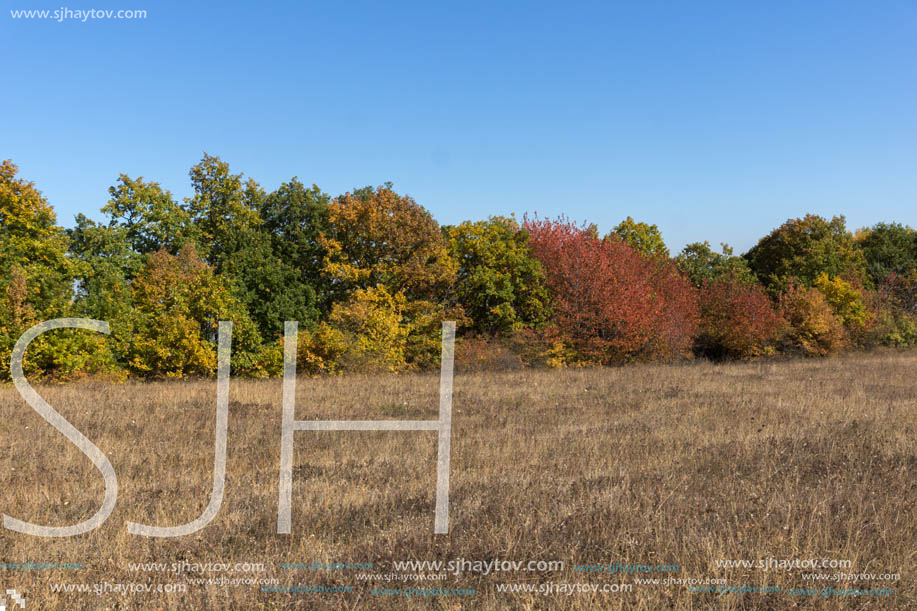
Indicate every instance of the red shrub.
{"type": "Point", "coordinates": [737, 319]}
{"type": "Point", "coordinates": [610, 303]}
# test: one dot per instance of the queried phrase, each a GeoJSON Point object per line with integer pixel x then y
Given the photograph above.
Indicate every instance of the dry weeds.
{"type": "Point", "coordinates": [681, 465]}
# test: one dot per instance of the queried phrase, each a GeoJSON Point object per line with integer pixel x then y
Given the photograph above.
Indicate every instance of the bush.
{"type": "Point", "coordinates": [172, 328]}
{"type": "Point", "coordinates": [813, 327]}
{"type": "Point", "coordinates": [374, 329]}
{"type": "Point", "coordinates": [737, 320]}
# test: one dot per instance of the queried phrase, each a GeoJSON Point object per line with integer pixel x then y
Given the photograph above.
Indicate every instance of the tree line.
{"type": "Point", "coordinates": [370, 275]}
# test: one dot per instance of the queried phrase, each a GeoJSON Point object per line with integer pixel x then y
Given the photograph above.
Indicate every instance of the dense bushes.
{"type": "Point", "coordinates": [370, 276]}
{"type": "Point", "coordinates": [499, 283]}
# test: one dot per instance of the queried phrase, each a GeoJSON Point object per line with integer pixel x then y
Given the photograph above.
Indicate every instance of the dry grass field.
{"type": "Point", "coordinates": [677, 465]}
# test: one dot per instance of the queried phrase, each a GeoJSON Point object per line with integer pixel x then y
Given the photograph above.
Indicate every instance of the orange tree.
{"type": "Point", "coordinates": [384, 248]}
{"type": "Point", "coordinates": [813, 328]}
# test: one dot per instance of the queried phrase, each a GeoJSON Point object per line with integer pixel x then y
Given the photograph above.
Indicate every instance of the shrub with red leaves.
{"type": "Point", "coordinates": [737, 320]}
{"type": "Point", "coordinates": [611, 304]}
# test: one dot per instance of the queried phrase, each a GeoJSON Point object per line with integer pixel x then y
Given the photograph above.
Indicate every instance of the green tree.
{"type": "Point", "coordinates": [224, 209]}
{"type": "Point", "coordinates": [226, 213]}
{"type": "Point", "coordinates": [270, 288]}
{"type": "Point", "coordinates": [802, 249]}
{"type": "Point", "coordinates": [647, 239]}
{"type": "Point", "coordinates": [500, 284]}
{"type": "Point", "coordinates": [888, 248]}
{"type": "Point", "coordinates": [105, 263]}
{"type": "Point", "coordinates": [295, 216]}
{"type": "Point", "coordinates": [150, 218]}
{"type": "Point", "coordinates": [702, 264]}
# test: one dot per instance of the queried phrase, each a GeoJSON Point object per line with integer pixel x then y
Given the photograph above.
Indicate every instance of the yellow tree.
{"type": "Point", "coordinates": [171, 330]}
{"type": "Point", "coordinates": [386, 249]}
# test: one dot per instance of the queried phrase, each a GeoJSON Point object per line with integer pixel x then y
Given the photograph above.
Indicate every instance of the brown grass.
{"type": "Point", "coordinates": [681, 465]}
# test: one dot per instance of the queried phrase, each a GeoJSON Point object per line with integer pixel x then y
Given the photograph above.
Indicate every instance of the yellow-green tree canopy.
{"type": "Point", "coordinates": [31, 240]}
{"type": "Point", "coordinates": [171, 329]}
{"type": "Point", "coordinates": [500, 283]}
{"type": "Point", "coordinates": [803, 248]}
{"type": "Point", "coordinates": [647, 239]}
{"type": "Point", "coordinates": [377, 237]}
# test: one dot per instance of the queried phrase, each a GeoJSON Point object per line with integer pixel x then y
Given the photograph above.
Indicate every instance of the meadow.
{"type": "Point", "coordinates": [680, 464]}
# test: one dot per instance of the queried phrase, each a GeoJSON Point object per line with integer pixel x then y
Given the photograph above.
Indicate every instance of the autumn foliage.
{"type": "Point", "coordinates": [611, 304]}
{"type": "Point", "coordinates": [814, 329]}
{"type": "Point", "coordinates": [370, 276]}
{"type": "Point", "coordinates": [737, 319]}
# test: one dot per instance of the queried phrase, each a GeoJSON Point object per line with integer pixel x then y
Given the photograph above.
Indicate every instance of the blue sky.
{"type": "Point", "coordinates": [714, 120]}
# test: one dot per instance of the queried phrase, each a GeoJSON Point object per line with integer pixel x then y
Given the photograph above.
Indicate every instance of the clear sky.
{"type": "Point", "coordinates": [714, 120]}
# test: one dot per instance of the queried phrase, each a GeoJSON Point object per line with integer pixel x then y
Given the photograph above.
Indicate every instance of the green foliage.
{"type": "Point", "coordinates": [150, 219]}
{"type": "Point", "coordinates": [801, 249]}
{"type": "Point", "coordinates": [36, 277]}
{"type": "Point", "coordinates": [897, 329]}
{"type": "Point", "coordinates": [271, 289]}
{"type": "Point", "coordinates": [104, 263]}
{"type": "Point", "coordinates": [295, 217]}
{"type": "Point", "coordinates": [701, 264]}
{"type": "Point", "coordinates": [31, 240]}
{"type": "Point", "coordinates": [888, 248]}
{"type": "Point", "coordinates": [274, 261]}
{"type": "Point", "coordinates": [224, 209]}
{"type": "Point", "coordinates": [500, 284]}
{"type": "Point", "coordinates": [242, 248]}
{"type": "Point", "coordinates": [647, 239]}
